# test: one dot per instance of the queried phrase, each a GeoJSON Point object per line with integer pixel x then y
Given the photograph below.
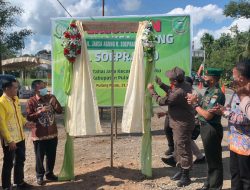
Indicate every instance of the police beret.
{"type": "Point", "coordinates": [213, 72]}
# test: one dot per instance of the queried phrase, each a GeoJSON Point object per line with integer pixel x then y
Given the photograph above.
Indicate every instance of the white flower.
{"type": "Point", "coordinates": [147, 30]}
{"type": "Point", "coordinates": [71, 53]}
{"type": "Point", "coordinates": [144, 37]}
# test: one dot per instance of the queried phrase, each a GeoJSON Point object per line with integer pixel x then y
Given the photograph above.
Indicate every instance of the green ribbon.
{"type": "Point", "coordinates": [68, 74]}
{"type": "Point", "coordinates": [146, 149]}
{"type": "Point", "coordinates": [67, 171]}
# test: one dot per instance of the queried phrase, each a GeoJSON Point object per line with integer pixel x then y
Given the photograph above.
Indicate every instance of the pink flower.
{"type": "Point", "coordinates": [73, 37]}
{"type": "Point", "coordinates": [73, 45]}
{"type": "Point", "coordinates": [71, 42]}
{"type": "Point", "coordinates": [73, 25]}
{"type": "Point", "coordinates": [78, 35]}
{"type": "Point", "coordinates": [72, 59]}
{"type": "Point", "coordinates": [78, 51]}
{"type": "Point", "coordinates": [66, 34]}
{"type": "Point", "coordinates": [66, 51]}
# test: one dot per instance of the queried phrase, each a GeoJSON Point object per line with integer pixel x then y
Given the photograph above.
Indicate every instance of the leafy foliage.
{"type": "Point", "coordinates": [10, 41]}
{"type": "Point", "coordinates": [224, 52]}
{"type": "Point", "coordinates": [196, 62]}
{"type": "Point", "coordinates": [245, 54]}
{"type": "Point", "coordinates": [238, 9]}
{"type": "Point", "coordinates": [206, 41]}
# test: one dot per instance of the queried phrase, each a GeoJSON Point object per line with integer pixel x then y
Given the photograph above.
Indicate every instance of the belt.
{"type": "Point", "coordinates": [206, 122]}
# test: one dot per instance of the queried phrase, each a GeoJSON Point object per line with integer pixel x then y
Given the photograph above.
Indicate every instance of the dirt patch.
{"type": "Point", "coordinates": [92, 161]}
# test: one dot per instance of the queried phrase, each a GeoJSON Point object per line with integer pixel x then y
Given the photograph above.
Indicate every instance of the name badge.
{"type": "Point", "coordinates": [213, 99]}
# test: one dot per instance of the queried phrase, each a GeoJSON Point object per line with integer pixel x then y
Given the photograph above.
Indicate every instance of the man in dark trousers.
{"type": "Point", "coordinates": [182, 126]}
{"type": "Point", "coordinates": [211, 130]}
{"type": "Point", "coordinates": [167, 129]}
{"type": "Point", "coordinates": [12, 136]}
{"type": "Point", "coordinates": [200, 158]}
{"type": "Point", "coordinates": [41, 109]}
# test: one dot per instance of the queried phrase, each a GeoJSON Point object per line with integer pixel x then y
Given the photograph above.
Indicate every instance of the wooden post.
{"type": "Point", "coordinates": [24, 78]}
{"type": "Point", "coordinates": [101, 113]}
{"type": "Point", "coordinates": [116, 123]}
{"type": "Point", "coordinates": [114, 26]}
{"type": "Point", "coordinates": [1, 68]}
{"type": "Point", "coordinates": [103, 2]}
{"type": "Point", "coordinates": [112, 107]}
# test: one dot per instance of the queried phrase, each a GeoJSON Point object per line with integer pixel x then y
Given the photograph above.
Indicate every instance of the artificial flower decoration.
{"type": "Point", "coordinates": [71, 42]}
{"type": "Point", "coordinates": [149, 41]}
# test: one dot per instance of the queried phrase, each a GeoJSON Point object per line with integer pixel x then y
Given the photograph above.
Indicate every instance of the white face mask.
{"type": "Point", "coordinates": [43, 91]}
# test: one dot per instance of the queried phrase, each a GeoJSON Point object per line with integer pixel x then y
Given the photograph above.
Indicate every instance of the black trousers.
{"type": "Point", "coordinates": [211, 137]}
{"type": "Point", "coordinates": [45, 148]}
{"type": "Point", "coordinates": [168, 132]}
{"type": "Point", "coordinates": [14, 158]}
{"type": "Point", "coordinates": [240, 171]}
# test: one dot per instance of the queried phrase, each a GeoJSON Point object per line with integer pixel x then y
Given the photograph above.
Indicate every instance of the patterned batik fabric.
{"type": "Point", "coordinates": [239, 129]}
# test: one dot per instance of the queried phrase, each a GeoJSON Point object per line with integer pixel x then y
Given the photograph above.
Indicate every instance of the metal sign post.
{"type": "Point", "coordinates": [112, 107]}
{"type": "Point", "coordinates": [107, 43]}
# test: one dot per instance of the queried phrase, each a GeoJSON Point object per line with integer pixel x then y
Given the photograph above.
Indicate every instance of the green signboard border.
{"type": "Point", "coordinates": [181, 59]}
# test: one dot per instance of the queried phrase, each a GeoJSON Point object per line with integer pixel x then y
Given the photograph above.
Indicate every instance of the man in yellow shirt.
{"type": "Point", "coordinates": [12, 135]}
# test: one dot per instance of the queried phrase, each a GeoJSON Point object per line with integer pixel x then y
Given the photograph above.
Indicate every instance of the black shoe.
{"type": "Point", "coordinates": [40, 181]}
{"type": "Point", "coordinates": [51, 177]}
{"type": "Point", "coordinates": [170, 151]}
{"type": "Point", "coordinates": [176, 176]}
{"type": "Point", "coordinates": [23, 186]}
{"type": "Point", "coordinates": [185, 180]}
{"type": "Point", "coordinates": [200, 161]}
{"type": "Point", "coordinates": [169, 161]}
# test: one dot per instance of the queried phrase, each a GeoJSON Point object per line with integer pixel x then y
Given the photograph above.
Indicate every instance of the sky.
{"type": "Point", "coordinates": [206, 16]}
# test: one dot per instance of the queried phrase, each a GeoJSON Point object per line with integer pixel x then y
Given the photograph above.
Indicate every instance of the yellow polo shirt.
{"type": "Point", "coordinates": [11, 120]}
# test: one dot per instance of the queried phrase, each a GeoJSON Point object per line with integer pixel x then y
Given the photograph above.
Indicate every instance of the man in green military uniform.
{"type": "Point", "coordinates": [211, 129]}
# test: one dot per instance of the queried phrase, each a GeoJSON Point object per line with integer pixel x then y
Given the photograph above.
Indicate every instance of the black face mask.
{"type": "Point", "coordinates": [206, 83]}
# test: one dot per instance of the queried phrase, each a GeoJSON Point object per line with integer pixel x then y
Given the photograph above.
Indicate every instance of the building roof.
{"type": "Point", "coordinates": [21, 63]}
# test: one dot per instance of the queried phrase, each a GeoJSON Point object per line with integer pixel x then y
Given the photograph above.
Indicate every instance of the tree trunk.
{"type": "Point", "coordinates": [1, 69]}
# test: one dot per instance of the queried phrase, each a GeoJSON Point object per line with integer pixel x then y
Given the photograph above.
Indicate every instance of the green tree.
{"type": "Point", "coordinates": [196, 62]}
{"type": "Point", "coordinates": [246, 54]}
{"type": "Point", "coordinates": [207, 41]}
{"type": "Point", "coordinates": [237, 9]}
{"type": "Point", "coordinates": [10, 41]}
{"type": "Point", "coordinates": [226, 50]}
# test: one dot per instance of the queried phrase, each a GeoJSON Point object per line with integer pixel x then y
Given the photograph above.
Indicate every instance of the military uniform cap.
{"type": "Point", "coordinates": [213, 72]}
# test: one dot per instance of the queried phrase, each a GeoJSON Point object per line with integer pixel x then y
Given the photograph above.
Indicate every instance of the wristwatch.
{"type": "Point", "coordinates": [195, 105]}
{"type": "Point", "coordinates": [226, 113]}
